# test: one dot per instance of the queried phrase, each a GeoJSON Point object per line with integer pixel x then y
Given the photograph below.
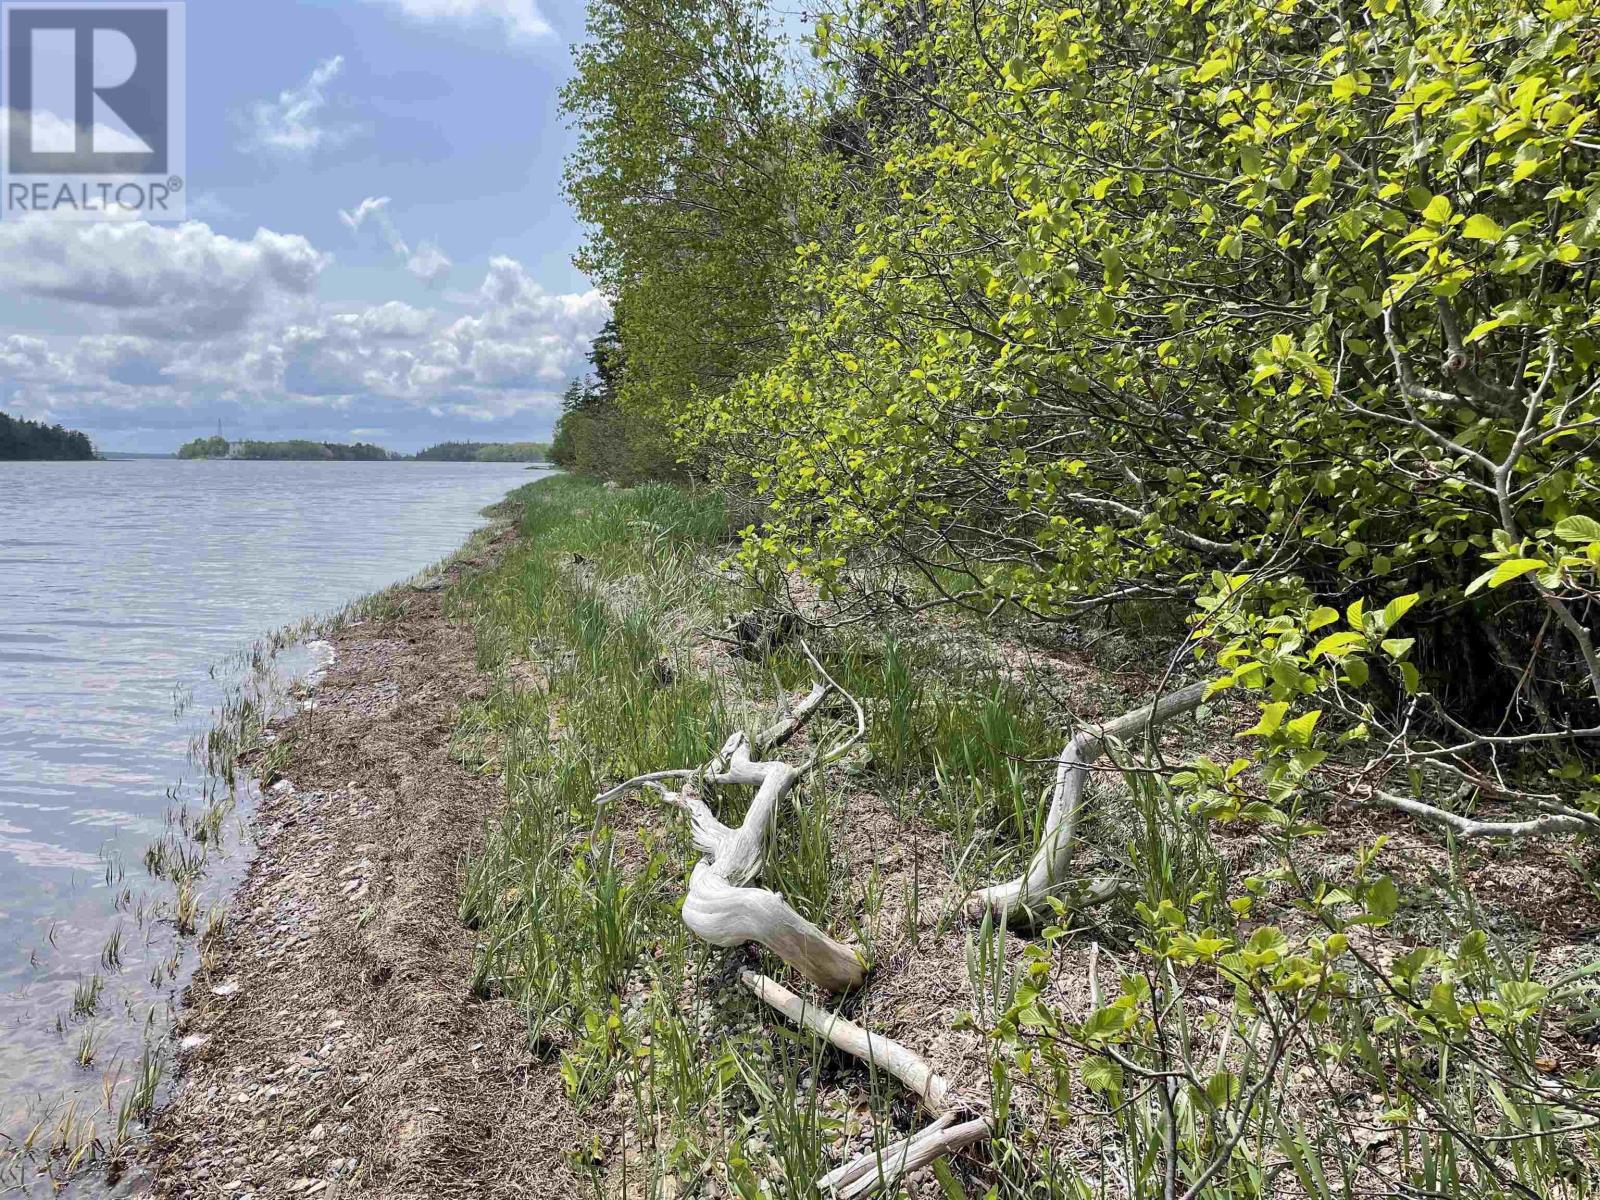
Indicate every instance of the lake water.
{"type": "Point", "coordinates": [128, 593]}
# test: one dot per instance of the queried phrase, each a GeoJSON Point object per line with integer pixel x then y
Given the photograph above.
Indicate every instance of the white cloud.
{"type": "Point", "coordinates": [293, 125]}
{"type": "Point", "coordinates": [427, 262]}
{"type": "Point", "coordinates": [175, 319]}
{"type": "Point", "coordinates": [182, 281]}
{"type": "Point", "coordinates": [374, 207]}
{"type": "Point", "coordinates": [518, 19]}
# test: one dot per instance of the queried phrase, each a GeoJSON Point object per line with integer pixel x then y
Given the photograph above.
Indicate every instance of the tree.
{"type": "Point", "coordinates": [211, 447]}
{"type": "Point", "coordinates": [29, 440]}
{"type": "Point", "coordinates": [688, 178]}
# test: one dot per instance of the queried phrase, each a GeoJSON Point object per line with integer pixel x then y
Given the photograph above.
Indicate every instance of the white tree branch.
{"type": "Point", "coordinates": [1047, 872]}
{"type": "Point", "coordinates": [882, 1053]}
{"type": "Point", "coordinates": [719, 908]}
{"type": "Point", "coordinates": [881, 1167]}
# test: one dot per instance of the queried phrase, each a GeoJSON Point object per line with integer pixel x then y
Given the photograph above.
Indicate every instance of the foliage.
{"type": "Point", "coordinates": [211, 447]}
{"type": "Point", "coordinates": [598, 436]}
{"type": "Point", "coordinates": [26, 440]}
{"type": "Point", "coordinates": [297, 449]}
{"type": "Point", "coordinates": [1120, 304]}
{"type": "Point", "coordinates": [689, 175]}
{"type": "Point", "coordinates": [1274, 306]}
{"type": "Point", "coordinates": [501, 452]}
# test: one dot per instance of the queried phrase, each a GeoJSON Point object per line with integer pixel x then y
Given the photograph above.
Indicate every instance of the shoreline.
{"type": "Point", "coordinates": [461, 966]}
{"type": "Point", "coordinates": [327, 1040]}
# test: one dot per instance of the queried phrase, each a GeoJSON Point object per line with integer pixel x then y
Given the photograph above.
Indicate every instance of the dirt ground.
{"type": "Point", "coordinates": [330, 1046]}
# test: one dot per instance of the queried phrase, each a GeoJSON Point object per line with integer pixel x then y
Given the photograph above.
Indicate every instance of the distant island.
{"type": "Point", "coordinates": [487, 452]}
{"type": "Point", "coordinates": [294, 450]}
{"type": "Point", "coordinates": [29, 441]}
{"type": "Point", "coordinates": [304, 450]}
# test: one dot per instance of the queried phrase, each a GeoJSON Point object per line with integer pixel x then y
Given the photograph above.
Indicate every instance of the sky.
{"type": "Point", "coordinates": [378, 248]}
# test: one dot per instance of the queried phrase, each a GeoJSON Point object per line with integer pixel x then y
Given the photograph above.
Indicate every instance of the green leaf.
{"type": "Point", "coordinates": [1337, 644]}
{"type": "Point", "coordinates": [1323, 616]}
{"type": "Point", "coordinates": [1303, 726]}
{"type": "Point", "coordinates": [1383, 899]}
{"type": "Point", "coordinates": [1514, 568]}
{"type": "Point", "coordinates": [1271, 717]}
{"type": "Point", "coordinates": [1101, 1074]}
{"type": "Point", "coordinates": [1398, 608]}
{"type": "Point", "coordinates": [948, 1183]}
{"type": "Point", "coordinates": [1578, 529]}
{"type": "Point", "coordinates": [1482, 229]}
{"type": "Point", "coordinates": [1438, 210]}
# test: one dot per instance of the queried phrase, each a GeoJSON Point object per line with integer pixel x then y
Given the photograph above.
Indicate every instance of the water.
{"type": "Point", "coordinates": [122, 585]}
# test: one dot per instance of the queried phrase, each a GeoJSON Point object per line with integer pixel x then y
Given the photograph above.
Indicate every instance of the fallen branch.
{"type": "Point", "coordinates": [880, 1052]}
{"type": "Point", "coordinates": [719, 909]}
{"type": "Point", "coordinates": [1047, 871]}
{"type": "Point", "coordinates": [884, 1167]}
{"type": "Point", "coordinates": [1468, 827]}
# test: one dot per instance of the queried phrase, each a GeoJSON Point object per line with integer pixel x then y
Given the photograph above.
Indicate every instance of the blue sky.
{"type": "Point", "coordinates": [378, 244]}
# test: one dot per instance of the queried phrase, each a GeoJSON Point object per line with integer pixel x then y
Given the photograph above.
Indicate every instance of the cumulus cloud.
{"type": "Point", "coordinates": [178, 317]}
{"type": "Point", "coordinates": [427, 262]}
{"type": "Point", "coordinates": [182, 281]}
{"type": "Point", "coordinates": [293, 125]}
{"type": "Point", "coordinates": [518, 19]}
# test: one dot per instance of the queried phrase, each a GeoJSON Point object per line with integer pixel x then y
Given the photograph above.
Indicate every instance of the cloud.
{"type": "Point", "coordinates": [427, 262]}
{"type": "Point", "coordinates": [182, 320]}
{"type": "Point", "coordinates": [182, 281]}
{"type": "Point", "coordinates": [374, 207]}
{"type": "Point", "coordinates": [292, 125]}
{"type": "Point", "coordinates": [518, 19]}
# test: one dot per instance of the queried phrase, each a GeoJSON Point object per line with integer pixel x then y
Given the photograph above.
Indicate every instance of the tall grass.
{"type": "Point", "coordinates": [587, 627]}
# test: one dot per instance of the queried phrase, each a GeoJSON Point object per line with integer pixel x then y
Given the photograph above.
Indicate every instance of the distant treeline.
{"type": "Point", "coordinates": [502, 452]}
{"type": "Point", "coordinates": [31, 441]}
{"type": "Point", "coordinates": [297, 450]}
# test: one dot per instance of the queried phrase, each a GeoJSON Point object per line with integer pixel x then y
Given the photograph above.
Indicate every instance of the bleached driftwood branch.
{"type": "Point", "coordinates": [884, 1168]}
{"type": "Point", "coordinates": [884, 1054]}
{"type": "Point", "coordinates": [1558, 822]}
{"type": "Point", "coordinates": [1048, 869]}
{"type": "Point", "coordinates": [719, 908]}
{"type": "Point", "coordinates": [881, 1168]}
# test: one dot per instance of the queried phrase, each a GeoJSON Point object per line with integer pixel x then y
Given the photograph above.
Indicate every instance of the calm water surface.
{"type": "Point", "coordinates": [122, 585]}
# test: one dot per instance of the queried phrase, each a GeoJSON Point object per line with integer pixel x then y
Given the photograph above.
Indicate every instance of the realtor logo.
{"type": "Point", "coordinates": [94, 110]}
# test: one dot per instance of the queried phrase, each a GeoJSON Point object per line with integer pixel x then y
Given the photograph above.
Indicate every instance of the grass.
{"type": "Point", "coordinates": [589, 628]}
{"type": "Point", "coordinates": [597, 631]}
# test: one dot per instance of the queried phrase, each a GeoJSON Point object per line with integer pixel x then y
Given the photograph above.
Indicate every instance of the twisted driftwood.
{"type": "Point", "coordinates": [1048, 870]}
{"type": "Point", "coordinates": [719, 909]}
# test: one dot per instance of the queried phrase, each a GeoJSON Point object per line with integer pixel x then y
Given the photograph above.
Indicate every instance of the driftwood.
{"type": "Point", "coordinates": [719, 908]}
{"type": "Point", "coordinates": [885, 1167]}
{"type": "Point", "coordinates": [722, 910]}
{"type": "Point", "coordinates": [1048, 871]}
